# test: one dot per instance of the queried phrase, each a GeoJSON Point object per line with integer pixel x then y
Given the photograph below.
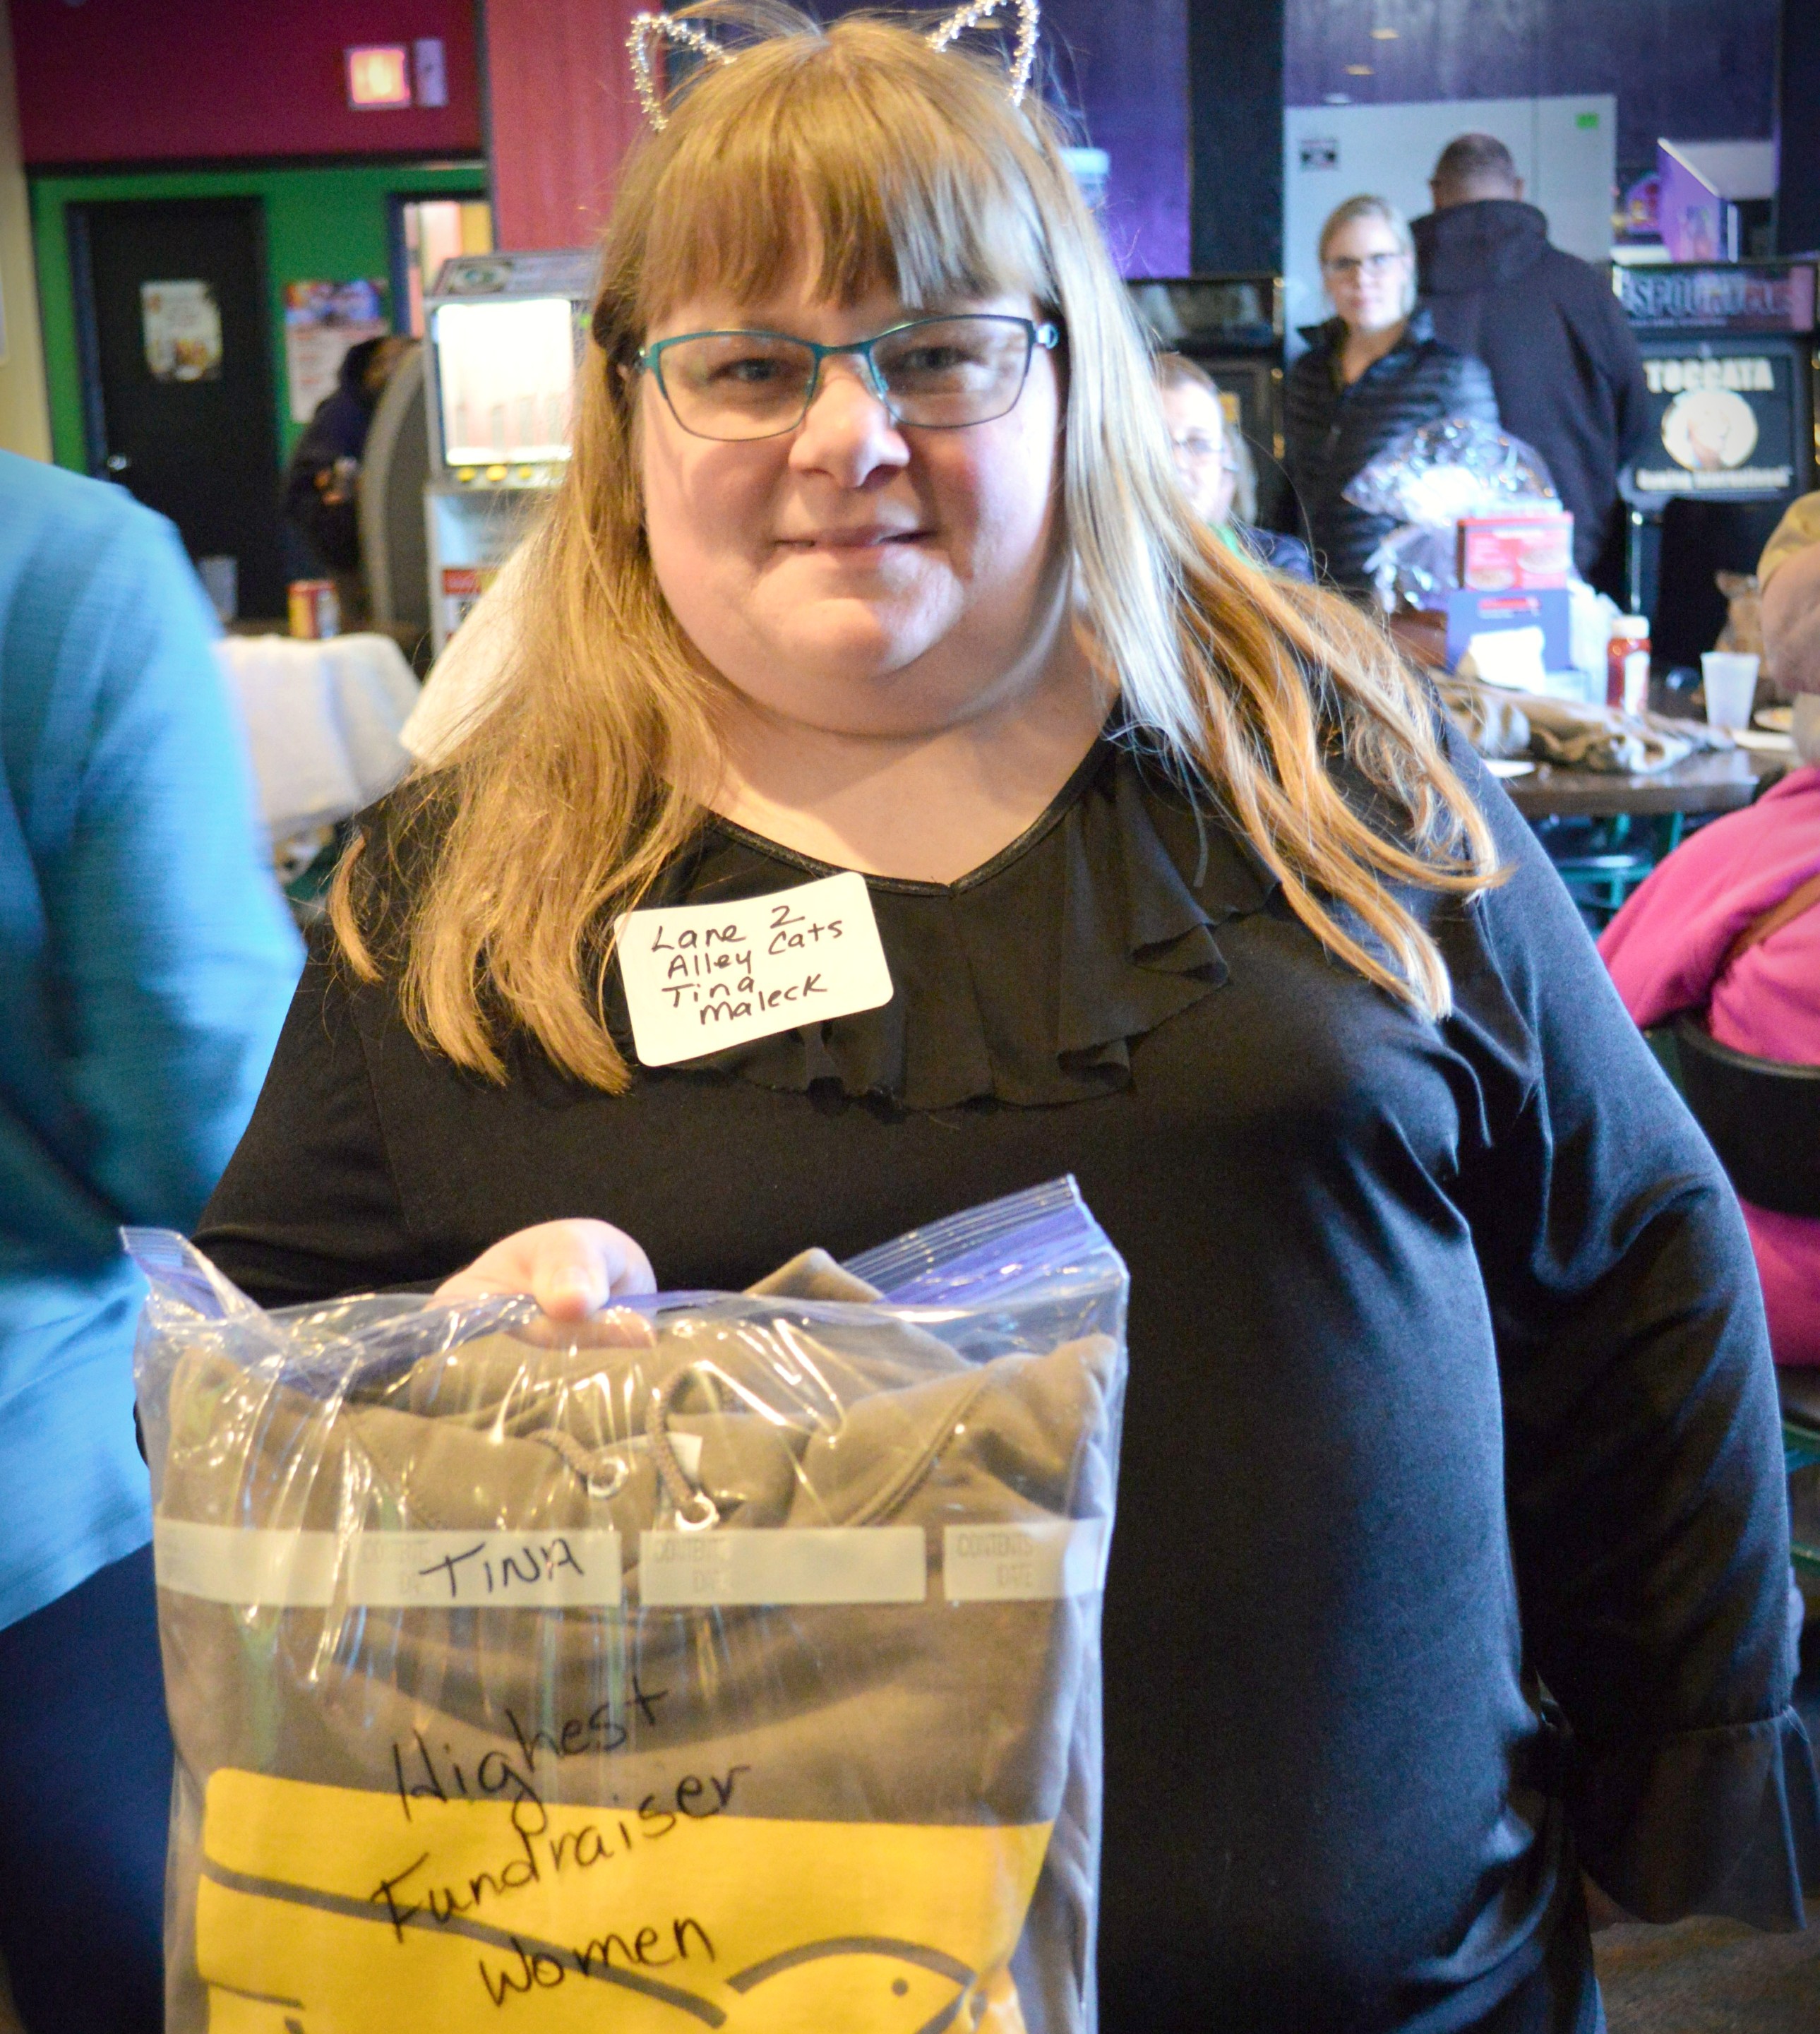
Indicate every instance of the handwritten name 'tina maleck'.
{"type": "Point", "coordinates": [710, 969]}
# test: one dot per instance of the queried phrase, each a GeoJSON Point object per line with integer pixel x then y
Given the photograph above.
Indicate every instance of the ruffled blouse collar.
{"type": "Point", "coordinates": [1030, 980]}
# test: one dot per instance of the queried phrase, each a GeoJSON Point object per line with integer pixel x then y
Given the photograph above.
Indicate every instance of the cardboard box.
{"type": "Point", "coordinates": [1471, 614]}
{"type": "Point", "coordinates": [1507, 553]}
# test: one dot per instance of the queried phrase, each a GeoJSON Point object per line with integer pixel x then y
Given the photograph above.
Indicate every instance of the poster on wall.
{"type": "Point", "coordinates": [183, 328]}
{"type": "Point", "coordinates": [321, 321]}
{"type": "Point", "coordinates": [1724, 421]}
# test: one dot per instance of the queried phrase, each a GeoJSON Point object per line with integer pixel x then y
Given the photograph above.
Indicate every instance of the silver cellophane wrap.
{"type": "Point", "coordinates": [732, 1661]}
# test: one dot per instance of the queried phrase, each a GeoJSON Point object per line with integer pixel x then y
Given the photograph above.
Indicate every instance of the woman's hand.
{"type": "Point", "coordinates": [571, 1269]}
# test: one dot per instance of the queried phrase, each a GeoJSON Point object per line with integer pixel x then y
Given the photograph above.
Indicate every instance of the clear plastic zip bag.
{"type": "Point", "coordinates": [733, 1662]}
{"type": "Point", "coordinates": [1458, 466]}
{"type": "Point", "coordinates": [1428, 478]}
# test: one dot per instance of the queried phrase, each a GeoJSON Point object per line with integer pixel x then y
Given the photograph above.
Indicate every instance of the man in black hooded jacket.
{"type": "Point", "coordinates": [1568, 374]}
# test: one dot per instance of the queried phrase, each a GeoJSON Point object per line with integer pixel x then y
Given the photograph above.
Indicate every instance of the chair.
{"type": "Point", "coordinates": [1799, 1392]}
{"type": "Point", "coordinates": [1763, 1120]}
{"type": "Point", "coordinates": [394, 545]}
{"type": "Point", "coordinates": [1601, 885]}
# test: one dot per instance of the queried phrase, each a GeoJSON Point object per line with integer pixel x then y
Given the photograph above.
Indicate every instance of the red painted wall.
{"type": "Point", "coordinates": [155, 80]}
{"type": "Point", "coordinates": [563, 113]}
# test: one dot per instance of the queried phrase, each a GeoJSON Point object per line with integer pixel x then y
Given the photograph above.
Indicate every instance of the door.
{"type": "Point", "coordinates": [175, 326]}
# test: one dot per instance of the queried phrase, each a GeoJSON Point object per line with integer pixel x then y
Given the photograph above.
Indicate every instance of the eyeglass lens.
{"type": "Point", "coordinates": [1196, 449]}
{"type": "Point", "coordinates": [939, 374]}
{"type": "Point", "coordinates": [1346, 265]}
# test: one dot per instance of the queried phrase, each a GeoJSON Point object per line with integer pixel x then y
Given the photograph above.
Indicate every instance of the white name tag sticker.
{"type": "Point", "coordinates": [699, 977]}
{"type": "Point", "coordinates": [387, 1569]}
{"type": "Point", "coordinates": [783, 1564]}
{"type": "Point", "coordinates": [1040, 1562]}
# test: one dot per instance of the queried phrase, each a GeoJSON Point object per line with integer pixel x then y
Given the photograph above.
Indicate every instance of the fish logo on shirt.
{"type": "Point", "coordinates": [859, 1984]}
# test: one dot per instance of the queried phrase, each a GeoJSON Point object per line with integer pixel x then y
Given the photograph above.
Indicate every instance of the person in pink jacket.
{"type": "Point", "coordinates": [1730, 924]}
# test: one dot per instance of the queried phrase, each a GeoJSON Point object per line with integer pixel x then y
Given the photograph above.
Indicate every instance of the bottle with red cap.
{"type": "Point", "coordinates": [1627, 663]}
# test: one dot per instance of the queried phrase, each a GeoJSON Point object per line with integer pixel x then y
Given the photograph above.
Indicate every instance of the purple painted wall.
{"type": "Point", "coordinates": [1122, 65]}
{"type": "Point", "coordinates": [1691, 71]}
{"type": "Point", "coordinates": [1120, 68]}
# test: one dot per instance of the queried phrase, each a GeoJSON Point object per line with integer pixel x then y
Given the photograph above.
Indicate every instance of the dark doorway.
{"type": "Point", "coordinates": [173, 326]}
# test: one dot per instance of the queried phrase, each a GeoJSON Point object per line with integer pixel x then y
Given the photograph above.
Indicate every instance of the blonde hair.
{"type": "Point", "coordinates": [1366, 206]}
{"type": "Point", "coordinates": [1177, 370]}
{"type": "Point", "coordinates": [492, 895]}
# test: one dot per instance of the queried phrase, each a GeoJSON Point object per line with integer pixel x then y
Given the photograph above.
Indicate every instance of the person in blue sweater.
{"type": "Point", "coordinates": [146, 963]}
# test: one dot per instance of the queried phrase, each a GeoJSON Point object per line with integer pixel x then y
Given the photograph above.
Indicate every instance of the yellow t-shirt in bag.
{"type": "Point", "coordinates": [328, 1910]}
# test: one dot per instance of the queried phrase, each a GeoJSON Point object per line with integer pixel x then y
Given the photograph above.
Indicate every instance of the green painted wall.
{"type": "Point", "coordinates": [327, 224]}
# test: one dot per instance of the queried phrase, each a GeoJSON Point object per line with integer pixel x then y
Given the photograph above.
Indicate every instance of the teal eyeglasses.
{"type": "Point", "coordinates": [935, 373]}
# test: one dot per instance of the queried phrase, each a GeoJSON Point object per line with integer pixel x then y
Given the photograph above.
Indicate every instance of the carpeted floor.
{"type": "Point", "coordinates": [1710, 1977]}
{"type": "Point", "coordinates": [1717, 1977]}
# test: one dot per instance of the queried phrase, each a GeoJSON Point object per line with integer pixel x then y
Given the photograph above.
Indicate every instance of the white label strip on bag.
{"type": "Point", "coordinates": [699, 977]}
{"type": "Point", "coordinates": [383, 1570]}
{"type": "Point", "coordinates": [1046, 1559]}
{"type": "Point", "coordinates": [783, 1564]}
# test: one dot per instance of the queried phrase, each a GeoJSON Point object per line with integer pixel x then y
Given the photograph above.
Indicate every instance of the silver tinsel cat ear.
{"type": "Point", "coordinates": [1022, 57]}
{"type": "Point", "coordinates": [647, 27]}
{"type": "Point", "coordinates": [686, 35]}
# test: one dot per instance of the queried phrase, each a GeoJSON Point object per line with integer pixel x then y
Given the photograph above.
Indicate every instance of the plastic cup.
{"type": "Point", "coordinates": [1730, 677]}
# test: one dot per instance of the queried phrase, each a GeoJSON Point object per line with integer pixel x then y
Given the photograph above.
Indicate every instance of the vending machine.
{"type": "Point", "coordinates": [505, 334]}
{"type": "Point", "coordinates": [1232, 326]}
{"type": "Point", "coordinates": [1729, 359]}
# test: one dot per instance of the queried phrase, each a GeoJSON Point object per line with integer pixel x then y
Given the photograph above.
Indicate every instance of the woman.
{"type": "Point", "coordinates": [321, 485]}
{"type": "Point", "coordinates": [1372, 373]}
{"type": "Point", "coordinates": [1170, 871]}
{"type": "Point", "coordinates": [1208, 455]}
{"type": "Point", "coordinates": [145, 964]}
{"type": "Point", "coordinates": [1729, 926]}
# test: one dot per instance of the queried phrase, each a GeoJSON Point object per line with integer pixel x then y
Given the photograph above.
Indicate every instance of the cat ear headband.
{"type": "Point", "coordinates": [649, 29]}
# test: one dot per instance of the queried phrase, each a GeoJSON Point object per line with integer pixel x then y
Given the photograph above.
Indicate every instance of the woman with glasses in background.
{"type": "Point", "coordinates": [1373, 372]}
{"type": "Point", "coordinates": [1210, 463]}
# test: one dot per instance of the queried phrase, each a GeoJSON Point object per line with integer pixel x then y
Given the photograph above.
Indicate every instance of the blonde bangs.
{"type": "Point", "coordinates": [903, 180]}
{"type": "Point", "coordinates": [880, 164]}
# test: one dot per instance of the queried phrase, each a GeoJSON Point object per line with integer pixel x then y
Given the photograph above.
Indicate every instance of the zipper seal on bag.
{"type": "Point", "coordinates": [177, 1271]}
{"type": "Point", "coordinates": [968, 1259]}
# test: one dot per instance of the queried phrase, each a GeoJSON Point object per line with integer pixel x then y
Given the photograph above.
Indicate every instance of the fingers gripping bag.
{"type": "Point", "coordinates": [731, 1661]}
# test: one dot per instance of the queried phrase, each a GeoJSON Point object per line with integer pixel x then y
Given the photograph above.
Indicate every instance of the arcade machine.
{"type": "Point", "coordinates": [1728, 355]}
{"type": "Point", "coordinates": [1232, 326]}
{"type": "Point", "coordinates": [505, 330]}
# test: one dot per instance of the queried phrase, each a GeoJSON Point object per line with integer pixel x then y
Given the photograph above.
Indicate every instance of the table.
{"type": "Point", "coordinates": [1602, 869]}
{"type": "Point", "coordinates": [1707, 782]}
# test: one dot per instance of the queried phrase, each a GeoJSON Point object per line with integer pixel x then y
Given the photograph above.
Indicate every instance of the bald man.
{"type": "Point", "coordinates": [1565, 367]}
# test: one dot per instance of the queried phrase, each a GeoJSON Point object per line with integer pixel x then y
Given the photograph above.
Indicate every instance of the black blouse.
{"type": "Point", "coordinates": [1449, 1375]}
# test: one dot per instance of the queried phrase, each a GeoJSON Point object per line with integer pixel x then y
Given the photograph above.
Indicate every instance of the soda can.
{"type": "Point", "coordinates": [315, 611]}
